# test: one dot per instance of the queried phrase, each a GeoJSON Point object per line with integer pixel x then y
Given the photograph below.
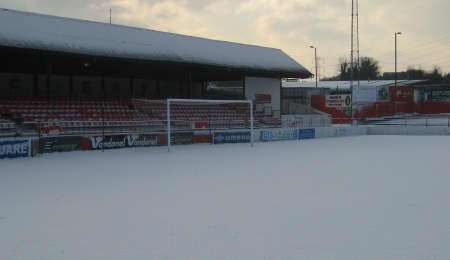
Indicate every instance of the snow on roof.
{"type": "Point", "coordinates": [52, 33]}
{"type": "Point", "coordinates": [346, 84]}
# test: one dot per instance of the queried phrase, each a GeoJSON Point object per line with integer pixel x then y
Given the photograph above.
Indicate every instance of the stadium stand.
{"type": "Point", "coordinates": [56, 78]}
{"type": "Point", "coordinates": [71, 116]}
{"type": "Point", "coordinates": [61, 110]}
{"type": "Point", "coordinates": [197, 116]}
{"type": "Point", "coordinates": [66, 116]}
{"type": "Point", "coordinates": [6, 126]}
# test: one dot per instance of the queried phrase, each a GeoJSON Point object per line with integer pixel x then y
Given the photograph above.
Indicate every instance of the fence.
{"type": "Point", "coordinates": [45, 137]}
{"type": "Point", "coordinates": [306, 121]}
{"type": "Point", "coordinates": [61, 136]}
{"type": "Point", "coordinates": [425, 121]}
{"type": "Point", "coordinates": [409, 130]}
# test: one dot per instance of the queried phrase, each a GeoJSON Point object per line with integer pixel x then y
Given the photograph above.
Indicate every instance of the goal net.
{"type": "Point", "coordinates": [212, 121]}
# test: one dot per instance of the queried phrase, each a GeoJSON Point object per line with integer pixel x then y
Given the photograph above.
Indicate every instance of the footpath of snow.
{"type": "Point", "coordinates": [368, 197]}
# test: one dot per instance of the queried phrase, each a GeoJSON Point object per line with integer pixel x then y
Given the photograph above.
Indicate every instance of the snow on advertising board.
{"type": "Point", "coordinates": [15, 148]}
{"type": "Point", "coordinates": [338, 101]}
{"type": "Point", "coordinates": [279, 135]}
{"type": "Point", "coordinates": [182, 138]}
{"type": "Point", "coordinates": [231, 137]}
{"type": "Point", "coordinates": [59, 144]}
{"type": "Point", "coordinates": [118, 141]}
{"type": "Point", "coordinates": [306, 134]}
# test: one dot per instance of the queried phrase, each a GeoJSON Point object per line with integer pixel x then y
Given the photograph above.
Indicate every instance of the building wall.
{"type": "Point", "coordinates": [196, 90]}
{"type": "Point", "coordinates": [85, 87]}
{"type": "Point", "coordinates": [59, 86]}
{"type": "Point", "coordinates": [145, 88]}
{"type": "Point", "coordinates": [302, 95]}
{"type": "Point", "coordinates": [117, 87]}
{"type": "Point", "coordinates": [270, 86]}
{"type": "Point", "coordinates": [90, 86]}
{"type": "Point", "coordinates": [81, 86]}
{"type": "Point", "coordinates": [228, 89]}
{"type": "Point", "coordinates": [16, 85]}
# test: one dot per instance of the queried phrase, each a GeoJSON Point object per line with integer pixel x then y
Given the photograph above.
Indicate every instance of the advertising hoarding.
{"type": "Point", "coordinates": [15, 148]}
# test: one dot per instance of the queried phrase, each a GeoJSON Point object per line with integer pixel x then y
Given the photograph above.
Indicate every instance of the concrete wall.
{"type": "Point", "coordinates": [265, 86]}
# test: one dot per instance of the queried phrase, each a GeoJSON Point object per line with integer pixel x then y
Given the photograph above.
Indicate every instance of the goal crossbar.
{"type": "Point", "coordinates": [174, 100]}
{"type": "Point", "coordinates": [214, 101]}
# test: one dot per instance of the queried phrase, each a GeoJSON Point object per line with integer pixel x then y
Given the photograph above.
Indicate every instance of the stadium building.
{"type": "Point", "coordinates": [372, 99]}
{"type": "Point", "coordinates": [67, 74]}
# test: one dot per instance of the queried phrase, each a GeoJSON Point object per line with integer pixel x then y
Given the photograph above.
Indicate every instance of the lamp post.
{"type": "Point", "coordinates": [396, 75]}
{"type": "Point", "coordinates": [315, 61]}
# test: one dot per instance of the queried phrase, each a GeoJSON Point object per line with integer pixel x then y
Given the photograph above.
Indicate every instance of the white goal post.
{"type": "Point", "coordinates": [170, 101]}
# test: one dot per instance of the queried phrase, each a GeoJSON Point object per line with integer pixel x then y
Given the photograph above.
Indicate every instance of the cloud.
{"type": "Point", "coordinates": [291, 25]}
{"type": "Point", "coordinates": [172, 15]}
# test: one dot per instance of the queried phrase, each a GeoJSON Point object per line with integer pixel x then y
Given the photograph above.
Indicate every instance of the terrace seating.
{"type": "Point", "coordinates": [7, 127]}
{"type": "Point", "coordinates": [70, 114]}
{"type": "Point", "coordinates": [73, 116]}
{"type": "Point", "coordinates": [69, 111]}
{"type": "Point", "coordinates": [6, 124]}
{"type": "Point", "coordinates": [197, 116]}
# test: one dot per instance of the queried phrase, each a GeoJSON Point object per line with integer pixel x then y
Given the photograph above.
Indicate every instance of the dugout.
{"type": "Point", "coordinates": [49, 57]}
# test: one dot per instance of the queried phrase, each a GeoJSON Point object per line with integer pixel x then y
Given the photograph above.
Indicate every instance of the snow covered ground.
{"type": "Point", "coordinates": [368, 197]}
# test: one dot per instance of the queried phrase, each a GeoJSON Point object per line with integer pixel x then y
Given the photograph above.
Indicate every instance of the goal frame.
{"type": "Point", "coordinates": [173, 100]}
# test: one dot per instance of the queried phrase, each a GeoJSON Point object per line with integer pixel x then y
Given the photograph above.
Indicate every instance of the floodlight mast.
{"type": "Point", "coordinates": [171, 100]}
{"type": "Point", "coordinates": [168, 124]}
{"type": "Point", "coordinates": [315, 64]}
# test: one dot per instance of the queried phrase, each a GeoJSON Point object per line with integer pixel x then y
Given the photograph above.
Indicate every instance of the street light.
{"type": "Point", "coordinates": [396, 75]}
{"type": "Point", "coordinates": [315, 61]}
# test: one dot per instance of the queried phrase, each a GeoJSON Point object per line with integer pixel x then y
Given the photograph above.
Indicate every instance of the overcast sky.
{"type": "Point", "coordinates": [291, 25]}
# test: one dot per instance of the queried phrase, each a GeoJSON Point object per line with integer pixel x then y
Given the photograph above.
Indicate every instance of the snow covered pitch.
{"type": "Point", "coordinates": [368, 197]}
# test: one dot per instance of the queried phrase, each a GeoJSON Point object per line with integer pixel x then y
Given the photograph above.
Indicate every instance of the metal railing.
{"type": "Point", "coordinates": [56, 128]}
{"type": "Point", "coordinates": [422, 121]}
{"type": "Point", "coordinates": [60, 127]}
{"type": "Point", "coordinates": [429, 121]}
